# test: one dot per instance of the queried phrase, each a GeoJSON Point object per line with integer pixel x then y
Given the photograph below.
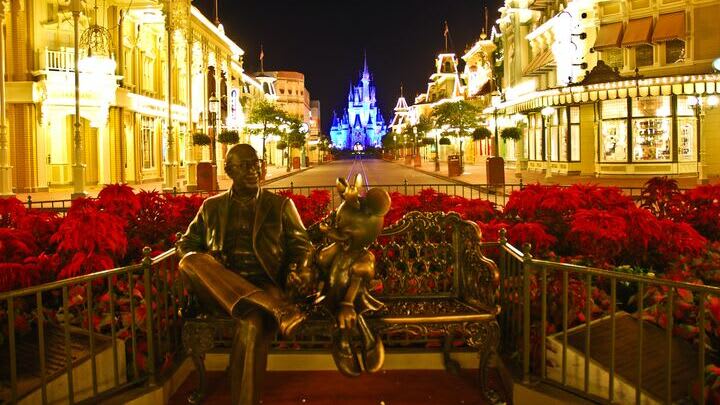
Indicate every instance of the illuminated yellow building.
{"type": "Point", "coordinates": [294, 98]}
{"type": "Point", "coordinates": [124, 106]}
{"type": "Point", "coordinates": [612, 87]}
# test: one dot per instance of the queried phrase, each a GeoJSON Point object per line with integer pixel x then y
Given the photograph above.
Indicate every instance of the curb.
{"type": "Point", "coordinates": [450, 179]}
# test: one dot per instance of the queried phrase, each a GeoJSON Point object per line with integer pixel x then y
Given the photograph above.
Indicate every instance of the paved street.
{"type": "Point", "coordinates": [375, 171]}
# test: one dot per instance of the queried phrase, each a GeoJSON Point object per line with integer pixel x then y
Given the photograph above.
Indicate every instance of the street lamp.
{"type": "Point", "coordinates": [437, 152]}
{"type": "Point", "coordinates": [547, 112]}
{"type": "Point", "coordinates": [304, 129]}
{"type": "Point", "coordinates": [495, 101]}
{"type": "Point", "coordinates": [700, 105]}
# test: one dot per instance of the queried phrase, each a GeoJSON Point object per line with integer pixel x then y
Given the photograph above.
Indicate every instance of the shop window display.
{"type": "Point", "coordinates": [687, 126]}
{"type": "Point", "coordinates": [652, 140]}
{"type": "Point", "coordinates": [613, 135]}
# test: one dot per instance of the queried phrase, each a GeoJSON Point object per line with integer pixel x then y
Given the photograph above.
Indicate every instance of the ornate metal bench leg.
{"type": "Point", "coordinates": [485, 337]}
{"type": "Point", "coordinates": [198, 338]}
{"type": "Point", "coordinates": [451, 365]}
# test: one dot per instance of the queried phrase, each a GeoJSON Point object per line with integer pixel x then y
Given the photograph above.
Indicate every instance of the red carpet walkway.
{"type": "Point", "coordinates": [394, 387]}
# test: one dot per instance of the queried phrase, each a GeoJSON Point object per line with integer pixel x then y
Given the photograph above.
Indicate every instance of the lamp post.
{"type": "Point", "coordinates": [79, 165]}
{"type": "Point", "coordinates": [304, 129]}
{"type": "Point", "coordinates": [495, 101]}
{"type": "Point", "coordinates": [700, 105]}
{"type": "Point", "coordinates": [547, 112]}
{"type": "Point", "coordinates": [5, 168]}
{"type": "Point", "coordinates": [214, 107]}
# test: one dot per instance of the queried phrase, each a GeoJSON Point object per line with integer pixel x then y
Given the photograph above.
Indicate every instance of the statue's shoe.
{"type": "Point", "coordinates": [289, 317]}
{"type": "Point", "coordinates": [374, 355]}
{"type": "Point", "coordinates": [345, 358]}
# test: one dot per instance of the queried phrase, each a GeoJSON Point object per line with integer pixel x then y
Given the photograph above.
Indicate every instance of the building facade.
{"type": "Point", "coordinates": [612, 88]}
{"type": "Point", "coordinates": [140, 101]}
{"type": "Point", "coordinates": [361, 124]}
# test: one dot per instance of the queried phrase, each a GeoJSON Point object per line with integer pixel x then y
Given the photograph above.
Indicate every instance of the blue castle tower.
{"type": "Point", "coordinates": [361, 124]}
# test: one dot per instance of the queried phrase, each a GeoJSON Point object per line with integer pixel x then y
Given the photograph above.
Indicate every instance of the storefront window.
{"type": "Point", "coordinates": [687, 126]}
{"type": "Point", "coordinates": [147, 131]}
{"type": "Point", "coordinates": [614, 141]}
{"type": "Point", "coordinates": [613, 135]}
{"type": "Point", "coordinates": [574, 134]}
{"type": "Point", "coordinates": [652, 140]}
{"type": "Point", "coordinates": [562, 135]}
{"type": "Point", "coordinates": [526, 138]}
{"type": "Point", "coordinates": [539, 135]}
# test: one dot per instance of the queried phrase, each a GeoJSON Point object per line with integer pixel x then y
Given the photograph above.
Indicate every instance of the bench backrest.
{"type": "Point", "coordinates": [428, 254]}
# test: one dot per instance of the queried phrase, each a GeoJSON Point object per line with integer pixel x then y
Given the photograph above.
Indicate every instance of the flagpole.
{"type": "Point", "coordinates": [262, 56]}
{"type": "Point", "coordinates": [445, 34]}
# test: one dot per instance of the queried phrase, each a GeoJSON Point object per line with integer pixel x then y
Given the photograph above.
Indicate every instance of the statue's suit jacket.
{"type": "Point", "coordinates": [279, 237]}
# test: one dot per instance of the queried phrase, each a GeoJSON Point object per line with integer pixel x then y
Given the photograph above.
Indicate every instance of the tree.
{"type": "Point", "coordinates": [457, 119]}
{"type": "Point", "coordinates": [267, 116]}
{"type": "Point", "coordinates": [293, 131]}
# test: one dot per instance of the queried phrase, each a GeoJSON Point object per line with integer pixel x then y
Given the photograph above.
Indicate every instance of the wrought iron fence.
{"type": "Point", "coordinates": [561, 350]}
{"type": "Point", "coordinates": [93, 335]}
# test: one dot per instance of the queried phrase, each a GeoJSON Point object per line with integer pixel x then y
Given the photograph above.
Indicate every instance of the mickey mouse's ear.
{"type": "Point", "coordinates": [377, 201]}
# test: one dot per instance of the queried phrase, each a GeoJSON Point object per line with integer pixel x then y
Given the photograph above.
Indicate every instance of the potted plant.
{"type": "Point", "coordinates": [481, 133]}
{"type": "Point", "coordinates": [281, 145]}
{"type": "Point", "coordinates": [444, 141]}
{"type": "Point", "coordinates": [229, 137]}
{"type": "Point", "coordinates": [513, 133]}
{"type": "Point", "coordinates": [201, 139]}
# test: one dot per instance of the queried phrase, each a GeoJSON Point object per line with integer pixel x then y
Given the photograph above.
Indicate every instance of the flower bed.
{"type": "Point", "coordinates": [668, 232]}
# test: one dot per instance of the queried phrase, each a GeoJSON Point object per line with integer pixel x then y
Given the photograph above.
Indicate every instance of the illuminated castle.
{"type": "Point", "coordinates": [361, 124]}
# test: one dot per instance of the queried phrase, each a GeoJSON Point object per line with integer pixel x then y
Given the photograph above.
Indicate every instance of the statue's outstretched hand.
{"type": "Point", "coordinates": [300, 279]}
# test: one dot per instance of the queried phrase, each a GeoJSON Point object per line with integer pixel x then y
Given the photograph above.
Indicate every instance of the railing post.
{"type": "Point", "coordinates": [29, 202]}
{"type": "Point", "coordinates": [292, 185]}
{"type": "Point", "coordinates": [405, 185]}
{"type": "Point", "coordinates": [521, 183]}
{"type": "Point", "coordinates": [148, 298]}
{"type": "Point", "coordinates": [527, 265]}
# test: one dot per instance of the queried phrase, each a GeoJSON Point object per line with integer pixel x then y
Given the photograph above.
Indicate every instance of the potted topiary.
{"type": "Point", "coordinates": [281, 145]}
{"type": "Point", "coordinates": [444, 141]}
{"type": "Point", "coordinates": [229, 137]}
{"type": "Point", "coordinates": [201, 139]}
{"type": "Point", "coordinates": [481, 133]}
{"type": "Point", "coordinates": [513, 133]}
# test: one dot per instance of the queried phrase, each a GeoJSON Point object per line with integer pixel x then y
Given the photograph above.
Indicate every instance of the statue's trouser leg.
{"type": "Point", "coordinates": [248, 360]}
{"type": "Point", "coordinates": [233, 292]}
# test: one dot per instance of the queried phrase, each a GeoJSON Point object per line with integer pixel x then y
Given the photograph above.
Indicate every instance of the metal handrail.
{"type": "Point", "coordinates": [517, 320]}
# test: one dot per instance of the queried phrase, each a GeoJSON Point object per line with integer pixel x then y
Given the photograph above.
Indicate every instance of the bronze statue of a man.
{"type": "Point", "coordinates": [242, 251]}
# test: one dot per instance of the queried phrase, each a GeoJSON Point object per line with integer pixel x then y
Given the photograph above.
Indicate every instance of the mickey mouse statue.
{"type": "Point", "coordinates": [349, 267]}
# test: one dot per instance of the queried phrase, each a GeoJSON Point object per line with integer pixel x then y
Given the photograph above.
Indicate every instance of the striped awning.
{"type": "Point", "coordinates": [542, 63]}
{"type": "Point", "coordinates": [669, 26]}
{"type": "Point", "coordinates": [639, 31]}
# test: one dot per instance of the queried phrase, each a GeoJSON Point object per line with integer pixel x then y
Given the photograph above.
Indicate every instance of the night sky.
{"type": "Point", "coordinates": [325, 41]}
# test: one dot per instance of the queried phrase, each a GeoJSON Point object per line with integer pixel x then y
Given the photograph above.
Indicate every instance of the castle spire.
{"type": "Point", "coordinates": [366, 71]}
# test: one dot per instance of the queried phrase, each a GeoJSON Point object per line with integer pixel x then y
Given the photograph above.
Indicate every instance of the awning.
{"type": "Point", "coordinates": [609, 36]}
{"type": "Point", "coordinates": [638, 32]}
{"type": "Point", "coordinates": [669, 26]}
{"type": "Point", "coordinates": [540, 64]}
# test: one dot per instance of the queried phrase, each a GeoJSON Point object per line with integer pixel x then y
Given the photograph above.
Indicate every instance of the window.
{"type": "Point", "coordinates": [147, 135]}
{"type": "Point", "coordinates": [651, 129]}
{"type": "Point", "coordinates": [674, 51]}
{"type": "Point", "coordinates": [148, 76]}
{"type": "Point", "coordinates": [643, 55]}
{"type": "Point", "coordinates": [687, 125]}
{"type": "Point", "coordinates": [574, 134]}
{"type": "Point", "coordinates": [613, 131]}
{"type": "Point", "coordinates": [612, 57]}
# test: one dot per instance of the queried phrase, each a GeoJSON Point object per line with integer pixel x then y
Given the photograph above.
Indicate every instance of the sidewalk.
{"type": "Point", "coordinates": [476, 174]}
{"type": "Point", "coordinates": [274, 173]}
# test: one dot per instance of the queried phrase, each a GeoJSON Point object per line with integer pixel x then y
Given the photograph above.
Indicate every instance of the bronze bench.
{"type": "Point", "coordinates": [434, 281]}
